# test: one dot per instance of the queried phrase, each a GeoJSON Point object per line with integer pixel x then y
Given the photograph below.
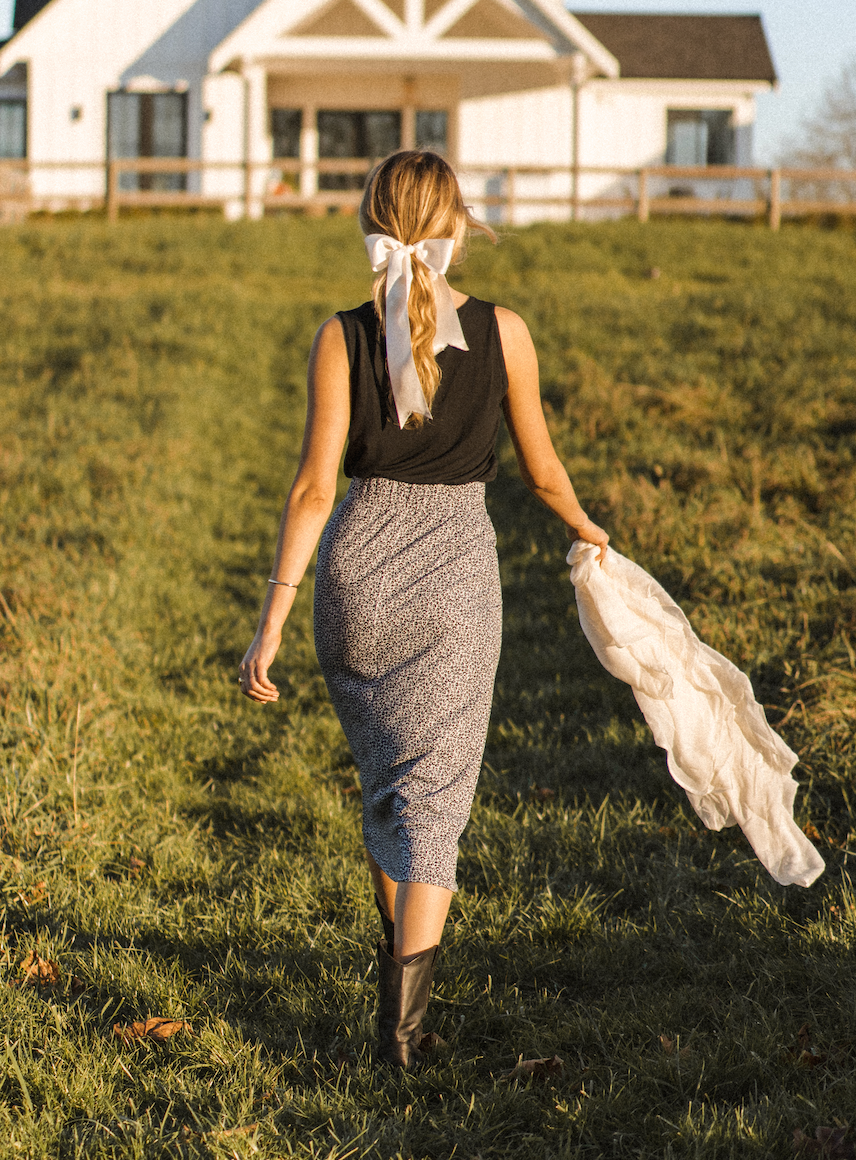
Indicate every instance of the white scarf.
{"type": "Point", "coordinates": [700, 707]}
{"type": "Point", "coordinates": [387, 253]}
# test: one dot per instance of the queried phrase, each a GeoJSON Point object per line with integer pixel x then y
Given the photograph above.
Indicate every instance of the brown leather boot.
{"type": "Point", "coordinates": [403, 990]}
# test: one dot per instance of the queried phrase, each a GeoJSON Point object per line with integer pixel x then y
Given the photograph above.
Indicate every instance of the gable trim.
{"type": "Point", "coordinates": [447, 17]}
{"type": "Point", "coordinates": [382, 16]}
{"type": "Point", "coordinates": [556, 35]}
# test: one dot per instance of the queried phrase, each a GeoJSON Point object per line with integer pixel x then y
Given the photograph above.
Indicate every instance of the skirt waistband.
{"type": "Point", "coordinates": [396, 494]}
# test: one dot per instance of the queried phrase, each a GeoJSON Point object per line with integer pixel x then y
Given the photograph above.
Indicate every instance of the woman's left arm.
{"type": "Point", "coordinates": [309, 502]}
{"type": "Point", "coordinates": [540, 466]}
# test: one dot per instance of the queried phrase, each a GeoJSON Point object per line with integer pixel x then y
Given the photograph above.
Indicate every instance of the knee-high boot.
{"type": "Point", "coordinates": [402, 1000]}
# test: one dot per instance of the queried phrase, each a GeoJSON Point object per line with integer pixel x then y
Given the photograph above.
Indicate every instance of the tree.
{"type": "Point", "coordinates": [828, 137]}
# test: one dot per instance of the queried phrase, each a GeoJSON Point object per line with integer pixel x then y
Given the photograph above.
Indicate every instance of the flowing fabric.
{"type": "Point", "coordinates": [701, 709]}
{"type": "Point", "coordinates": [387, 253]}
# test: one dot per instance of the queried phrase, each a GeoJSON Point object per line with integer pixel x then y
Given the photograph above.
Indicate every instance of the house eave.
{"type": "Point", "coordinates": [694, 83]}
{"type": "Point", "coordinates": [579, 36]}
{"type": "Point", "coordinates": [383, 50]}
{"type": "Point", "coordinates": [10, 53]}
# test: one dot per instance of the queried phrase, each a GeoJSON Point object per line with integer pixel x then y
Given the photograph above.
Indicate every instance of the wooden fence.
{"type": "Point", "coordinates": [506, 194]}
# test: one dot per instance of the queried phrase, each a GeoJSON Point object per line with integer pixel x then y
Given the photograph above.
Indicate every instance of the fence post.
{"type": "Point", "coordinates": [112, 199]}
{"type": "Point", "coordinates": [644, 207]}
{"type": "Point", "coordinates": [775, 198]}
{"type": "Point", "coordinates": [248, 186]}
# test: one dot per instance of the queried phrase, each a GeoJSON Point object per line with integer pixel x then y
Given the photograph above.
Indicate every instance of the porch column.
{"type": "Point", "coordinates": [257, 149]}
{"type": "Point", "coordinates": [309, 152]}
{"type": "Point", "coordinates": [408, 114]}
{"type": "Point", "coordinates": [579, 74]}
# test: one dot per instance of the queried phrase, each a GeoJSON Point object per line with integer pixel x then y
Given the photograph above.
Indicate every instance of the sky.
{"type": "Point", "coordinates": [811, 41]}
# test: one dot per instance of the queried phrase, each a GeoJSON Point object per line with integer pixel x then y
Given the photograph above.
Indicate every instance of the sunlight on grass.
{"type": "Point", "coordinates": [153, 390]}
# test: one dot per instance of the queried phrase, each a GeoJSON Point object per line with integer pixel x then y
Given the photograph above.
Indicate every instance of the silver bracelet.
{"type": "Point", "coordinates": [284, 583]}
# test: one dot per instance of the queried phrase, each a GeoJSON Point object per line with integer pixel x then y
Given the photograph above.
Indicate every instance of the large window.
{"type": "Point", "coordinates": [13, 129]}
{"type": "Point", "coordinates": [699, 137]}
{"type": "Point", "coordinates": [358, 134]}
{"type": "Point", "coordinates": [148, 125]}
{"type": "Point", "coordinates": [285, 126]}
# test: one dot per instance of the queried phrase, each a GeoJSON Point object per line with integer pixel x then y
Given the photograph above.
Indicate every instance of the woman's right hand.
{"type": "Point", "coordinates": [590, 533]}
{"type": "Point", "coordinates": [253, 671]}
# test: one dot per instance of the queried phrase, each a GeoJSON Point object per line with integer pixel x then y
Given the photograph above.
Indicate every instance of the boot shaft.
{"type": "Point", "coordinates": [403, 992]}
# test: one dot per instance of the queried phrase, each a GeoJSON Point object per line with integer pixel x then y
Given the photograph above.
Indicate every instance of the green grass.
{"type": "Point", "coordinates": [188, 854]}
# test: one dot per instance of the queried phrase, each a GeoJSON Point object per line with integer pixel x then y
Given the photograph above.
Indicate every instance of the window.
{"type": "Point", "coordinates": [13, 130]}
{"type": "Point", "coordinates": [148, 125]}
{"type": "Point", "coordinates": [285, 126]}
{"type": "Point", "coordinates": [699, 137]}
{"type": "Point", "coordinates": [432, 130]}
{"type": "Point", "coordinates": [357, 134]}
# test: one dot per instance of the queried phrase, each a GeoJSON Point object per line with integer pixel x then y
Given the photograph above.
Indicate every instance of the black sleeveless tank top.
{"type": "Point", "coordinates": [457, 445]}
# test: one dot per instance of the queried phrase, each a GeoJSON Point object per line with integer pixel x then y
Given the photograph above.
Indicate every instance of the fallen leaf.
{"type": "Point", "coordinates": [536, 1068]}
{"type": "Point", "coordinates": [811, 831]}
{"type": "Point", "coordinates": [224, 1133]}
{"type": "Point", "coordinates": [831, 1143]}
{"type": "Point", "coordinates": [805, 1053]}
{"type": "Point", "coordinates": [78, 986]}
{"type": "Point", "coordinates": [39, 972]}
{"type": "Point", "coordinates": [668, 1045]}
{"type": "Point", "coordinates": [835, 1056]}
{"type": "Point", "coordinates": [35, 895]}
{"type": "Point", "coordinates": [135, 867]}
{"type": "Point", "coordinates": [157, 1028]}
{"type": "Point", "coordinates": [540, 794]}
{"type": "Point", "coordinates": [431, 1042]}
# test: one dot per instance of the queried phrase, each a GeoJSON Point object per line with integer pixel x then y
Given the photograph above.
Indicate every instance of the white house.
{"type": "Point", "coordinates": [282, 90]}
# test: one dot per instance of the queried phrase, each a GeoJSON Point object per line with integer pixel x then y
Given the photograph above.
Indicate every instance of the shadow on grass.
{"type": "Point", "coordinates": [238, 763]}
{"type": "Point", "coordinates": [249, 990]}
{"type": "Point", "coordinates": [560, 721]}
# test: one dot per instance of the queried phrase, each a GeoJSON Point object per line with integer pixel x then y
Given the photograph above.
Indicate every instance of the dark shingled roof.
{"type": "Point", "coordinates": [25, 10]}
{"type": "Point", "coordinates": [679, 47]}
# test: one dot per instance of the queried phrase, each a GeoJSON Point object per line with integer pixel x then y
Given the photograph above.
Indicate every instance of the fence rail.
{"type": "Point", "coordinates": [506, 191]}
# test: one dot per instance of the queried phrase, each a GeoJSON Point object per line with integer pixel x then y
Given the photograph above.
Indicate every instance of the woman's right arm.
{"type": "Point", "coordinates": [540, 466]}
{"type": "Point", "coordinates": [309, 502]}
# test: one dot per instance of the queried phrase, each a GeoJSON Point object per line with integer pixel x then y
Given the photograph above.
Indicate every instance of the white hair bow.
{"type": "Point", "coordinates": [386, 253]}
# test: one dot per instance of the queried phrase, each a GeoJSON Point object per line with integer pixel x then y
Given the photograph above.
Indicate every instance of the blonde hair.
{"type": "Point", "coordinates": [414, 195]}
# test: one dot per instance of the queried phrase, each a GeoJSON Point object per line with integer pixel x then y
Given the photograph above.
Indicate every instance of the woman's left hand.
{"type": "Point", "coordinates": [591, 534]}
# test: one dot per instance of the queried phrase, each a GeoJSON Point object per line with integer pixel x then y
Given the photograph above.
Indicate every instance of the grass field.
{"type": "Point", "coordinates": [171, 850]}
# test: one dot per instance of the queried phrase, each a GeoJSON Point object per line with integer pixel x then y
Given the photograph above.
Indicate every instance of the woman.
{"type": "Point", "coordinates": [407, 597]}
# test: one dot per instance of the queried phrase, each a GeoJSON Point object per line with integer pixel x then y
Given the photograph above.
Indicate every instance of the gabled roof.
{"type": "Point", "coordinates": [427, 30]}
{"type": "Point", "coordinates": [678, 47]}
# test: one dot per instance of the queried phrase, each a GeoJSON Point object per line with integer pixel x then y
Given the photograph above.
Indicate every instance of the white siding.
{"type": "Point", "coordinates": [516, 128]}
{"type": "Point", "coordinates": [79, 50]}
{"type": "Point", "coordinates": [503, 113]}
{"type": "Point", "coordinates": [223, 137]}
